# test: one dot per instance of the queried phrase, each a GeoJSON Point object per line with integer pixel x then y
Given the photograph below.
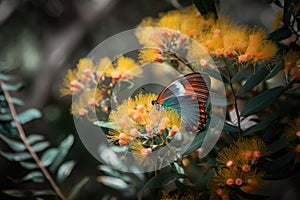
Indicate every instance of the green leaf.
{"type": "Point", "coordinates": [76, 189]}
{"type": "Point", "coordinates": [14, 145]}
{"type": "Point", "coordinates": [280, 167]}
{"type": "Point", "coordinates": [160, 181]}
{"type": "Point", "coordinates": [17, 101]}
{"type": "Point", "coordinates": [27, 193]}
{"type": "Point", "coordinates": [121, 86]}
{"type": "Point", "coordinates": [34, 138]}
{"type": "Point", "coordinates": [243, 74]}
{"type": "Point", "coordinates": [15, 87]}
{"type": "Point", "coordinates": [210, 162]}
{"type": "Point", "coordinates": [278, 67]}
{"type": "Point", "coordinates": [5, 117]}
{"type": "Point", "coordinates": [64, 171]}
{"type": "Point", "coordinates": [256, 78]}
{"type": "Point", "coordinates": [113, 182]}
{"type": "Point", "coordinates": [63, 150]}
{"type": "Point", "coordinates": [49, 156]}
{"type": "Point", "coordinates": [28, 165]}
{"type": "Point", "coordinates": [40, 146]}
{"type": "Point", "coordinates": [15, 193]}
{"type": "Point", "coordinates": [196, 143]}
{"type": "Point", "coordinates": [206, 7]}
{"type": "Point", "coordinates": [34, 176]}
{"type": "Point", "coordinates": [261, 125]}
{"type": "Point", "coordinates": [103, 124]}
{"type": "Point", "coordinates": [262, 101]}
{"type": "Point", "coordinates": [28, 115]}
{"type": "Point", "coordinates": [15, 156]}
{"type": "Point", "coordinates": [215, 74]}
{"type": "Point", "coordinates": [280, 34]}
{"type": "Point", "coordinates": [5, 77]}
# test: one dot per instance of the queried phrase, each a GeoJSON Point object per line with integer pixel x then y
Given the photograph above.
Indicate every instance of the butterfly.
{"type": "Point", "coordinates": [187, 95]}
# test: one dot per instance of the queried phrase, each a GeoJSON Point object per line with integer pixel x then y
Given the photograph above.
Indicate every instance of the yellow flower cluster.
{"type": "Point", "coordinates": [86, 81]}
{"type": "Point", "coordinates": [86, 72]}
{"type": "Point", "coordinates": [221, 37]}
{"type": "Point", "coordinates": [136, 119]}
{"type": "Point", "coordinates": [238, 167]}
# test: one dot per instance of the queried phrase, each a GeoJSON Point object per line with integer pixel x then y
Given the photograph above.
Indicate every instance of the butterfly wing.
{"type": "Point", "coordinates": [188, 95]}
{"type": "Point", "coordinates": [194, 84]}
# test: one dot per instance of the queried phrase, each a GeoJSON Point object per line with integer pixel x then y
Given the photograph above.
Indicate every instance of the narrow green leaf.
{"type": "Point", "coordinates": [280, 34]}
{"type": "Point", "coordinates": [278, 67]}
{"type": "Point", "coordinates": [113, 182]}
{"type": "Point", "coordinates": [5, 77]}
{"type": "Point", "coordinates": [14, 145]}
{"type": "Point", "coordinates": [29, 115]}
{"type": "Point", "coordinates": [34, 176]}
{"type": "Point", "coordinates": [121, 86]}
{"type": "Point", "coordinates": [5, 117]}
{"type": "Point", "coordinates": [28, 165]}
{"type": "Point", "coordinates": [105, 124]}
{"type": "Point", "coordinates": [196, 143]}
{"type": "Point", "coordinates": [15, 87]}
{"type": "Point", "coordinates": [64, 171]}
{"type": "Point", "coordinates": [40, 146]}
{"type": "Point", "coordinates": [243, 74]}
{"type": "Point", "coordinates": [210, 162]}
{"type": "Point", "coordinates": [262, 101]}
{"type": "Point", "coordinates": [159, 181]}
{"type": "Point", "coordinates": [49, 156]}
{"type": "Point", "coordinates": [261, 125]}
{"type": "Point", "coordinates": [34, 138]}
{"type": "Point", "coordinates": [206, 7]}
{"type": "Point", "coordinates": [256, 78]}
{"type": "Point", "coordinates": [17, 101]}
{"type": "Point", "coordinates": [76, 189]}
{"type": "Point", "coordinates": [215, 74]}
{"type": "Point", "coordinates": [15, 193]}
{"type": "Point", "coordinates": [15, 156]}
{"type": "Point", "coordinates": [63, 150]}
{"type": "Point", "coordinates": [27, 193]}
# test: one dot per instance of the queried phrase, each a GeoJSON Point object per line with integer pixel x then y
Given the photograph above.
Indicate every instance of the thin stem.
{"type": "Point", "coordinates": [234, 98]}
{"type": "Point", "coordinates": [183, 61]}
{"type": "Point", "coordinates": [179, 160]}
{"type": "Point", "coordinates": [27, 144]}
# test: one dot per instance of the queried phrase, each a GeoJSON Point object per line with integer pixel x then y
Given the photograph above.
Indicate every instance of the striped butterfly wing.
{"type": "Point", "coordinates": [188, 95]}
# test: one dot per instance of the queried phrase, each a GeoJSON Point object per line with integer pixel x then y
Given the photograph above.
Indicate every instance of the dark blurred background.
{"type": "Point", "coordinates": [44, 38]}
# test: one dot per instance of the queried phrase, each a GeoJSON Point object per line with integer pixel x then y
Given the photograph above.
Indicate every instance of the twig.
{"type": "Point", "coordinates": [27, 144]}
{"type": "Point", "coordinates": [234, 98]}
{"type": "Point", "coordinates": [179, 160]}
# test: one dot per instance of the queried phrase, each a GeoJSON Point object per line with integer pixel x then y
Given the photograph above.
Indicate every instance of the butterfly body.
{"type": "Point", "coordinates": [187, 95]}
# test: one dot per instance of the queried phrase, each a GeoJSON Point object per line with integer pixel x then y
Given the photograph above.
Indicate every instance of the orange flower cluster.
{"type": "Point", "coordinates": [238, 168]}
{"type": "Point", "coordinates": [221, 37]}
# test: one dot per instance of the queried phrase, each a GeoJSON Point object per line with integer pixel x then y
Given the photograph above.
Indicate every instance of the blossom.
{"type": "Point", "coordinates": [292, 64]}
{"type": "Point", "coordinates": [148, 55]}
{"type": "Point", "coordinates": [78, 108]}
{"type": "Point", "coordinates": [237, 170]}
{"type": "Point", "coordinates": [93, 96]}
{"type": "Point", "coordinates": [292, 133]}
{"type": "Point", "coordinates": [124, 68]}
{"type": "Point", "coordinates": [71, 84]}
{"type": "Point", "coordinates": [137, 123]}
{"type": "Point", "coordinates": [86, 69]}
{"type": "Point", "coordinates": [140, 153]}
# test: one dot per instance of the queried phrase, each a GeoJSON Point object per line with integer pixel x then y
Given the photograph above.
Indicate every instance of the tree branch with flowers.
{"type": "Point", "coordinates": [256, 144]}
